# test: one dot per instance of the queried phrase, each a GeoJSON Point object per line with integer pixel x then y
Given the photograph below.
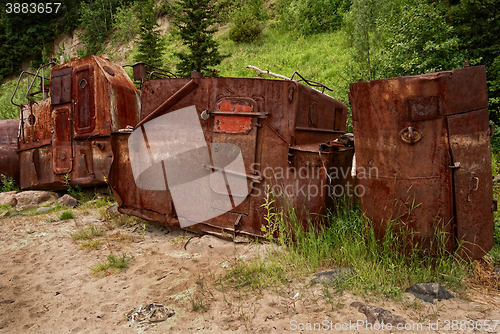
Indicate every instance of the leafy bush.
{"type": "Point", "coordinates": [66, 215]}
{"type": "Point", "coordinates": [308, 17]}
{"type": "Point", "coordinates": [7, 184]}
{"type": "Point", "coordinates": [126, 24]}
{"type": "Point", "coordinates": [245, 27]}
{"type": "Point", "coordinates": [419, 40]}
{"type": "Point", "coordinates": [96, 17]}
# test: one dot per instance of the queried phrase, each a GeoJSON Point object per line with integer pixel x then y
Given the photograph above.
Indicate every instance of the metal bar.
{"type": "Point", "coordinates": [172, 100]}
{"type": "Point", "coordinates": [301, 128]}
{"type": "Point", "coordinates": [245, 114]}
{"type": "Point", "coordinates": [218, 169]}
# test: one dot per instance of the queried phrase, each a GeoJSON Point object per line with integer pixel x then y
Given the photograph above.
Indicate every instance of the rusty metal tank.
{"type": "Point", "coordinates": [9, 161]}
{"type": "Point", "coordinates": [423, 156]}
{"type": "Point", "coordinates": [66, 136]}
{"type": "Point", "coordinates": [283, 132]}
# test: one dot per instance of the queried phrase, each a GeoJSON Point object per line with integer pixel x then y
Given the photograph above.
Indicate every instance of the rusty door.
{"type": "Point", "coordinates": [61, 113]}
{"type": "Point", "coordinates": [236, 123]}
{"type": "Point", "coordinates": [63, 148]}
{"type": "Point", "coordinates": [470, 152]}
{"type": "Point", "coordinates": [84, 116]}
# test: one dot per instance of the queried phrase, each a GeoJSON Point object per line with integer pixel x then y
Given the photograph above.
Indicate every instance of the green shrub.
{"type": "Point", "coordinates": [7, 184]}
{"type": "Point", "coordinates": [245, 28]}
{"type": "Point", "coordinates": [66, 215]}
{"type": "Point", "coordinates": [308, 17]}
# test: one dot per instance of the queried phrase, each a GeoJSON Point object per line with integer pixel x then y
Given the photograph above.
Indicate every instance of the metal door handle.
{"type": "Point", "coordinates": [410, 135]}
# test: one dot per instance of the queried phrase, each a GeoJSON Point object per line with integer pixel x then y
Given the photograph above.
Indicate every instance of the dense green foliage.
{"type": "Point", "coordinates": [150, 46]}
{"type": "Point", "coordinates": [195, 21]}
{"type": "Point", "coordinates": [245, 26]}
{"type": "Point", "coordinates": [27, 36]}
{"type": "Point", "coordinates": [312, 16]}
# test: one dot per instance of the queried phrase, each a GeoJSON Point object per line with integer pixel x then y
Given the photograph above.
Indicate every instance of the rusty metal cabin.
{"type": "Point", "coordinates": [428, 137]}
{"type": "Point", "coordinates": [277, 126]}
{"type": "Point", "coordinates": [68, 133]}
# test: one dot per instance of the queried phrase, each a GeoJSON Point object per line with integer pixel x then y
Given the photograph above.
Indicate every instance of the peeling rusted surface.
{"type": "Point", "coordinates": [68, 133]}
{"type": "Point", "coordinates": [427, 138]}
{"type": "Point", "coordinates": [9, 161]}
{"type": "Point", "coordinates": [269, 121]}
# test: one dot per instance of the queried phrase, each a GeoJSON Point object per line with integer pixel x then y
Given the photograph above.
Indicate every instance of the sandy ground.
{"type": "Point", "coordinates": [47, 286]}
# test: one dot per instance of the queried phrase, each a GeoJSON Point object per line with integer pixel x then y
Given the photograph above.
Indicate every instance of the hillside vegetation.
{"type": "Point", "coordinates": [331, 41]}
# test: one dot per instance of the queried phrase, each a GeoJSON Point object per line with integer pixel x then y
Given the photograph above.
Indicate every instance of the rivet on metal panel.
{"type": "Point", "coordinates": [410, 135]}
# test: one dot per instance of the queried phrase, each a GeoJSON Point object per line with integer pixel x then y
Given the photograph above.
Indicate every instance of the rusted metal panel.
{"type": "Point", "coordinates": [60, 85]}
{"type": "Point", "coordinates": [470, 146]}
{"type": "Point", "coordinates": [84, 117]}
{"type": "Point", "coordinates": [234, 123]}
{"type": "Point", "coordinates": [9, 161]}
{"type": "Point", "coordinates": [404, 131]}
{"type": "Point", "coordinates": [258, 118]}
{"type": "Point", "coordinates": [62, 143]}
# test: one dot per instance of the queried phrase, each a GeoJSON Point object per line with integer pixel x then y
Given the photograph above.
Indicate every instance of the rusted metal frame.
{"type": "Point", "coordinates": [219, 169]}
{"type": "Point", "coordinates": [301, 128]}
{"type": "Point", "coordinates": [29, 146]}
{"type": "Point", "coordinates": [243, 114]}
{"type": "Point", "coordinates": [160, 70]}
{"type": "Point", "coordinates": [311, 82]}
{"type": "Point", "coordinates": [172, 100]}
{"type": "Point", "coordinates": [36, 75]}
{"type": "Point", "coordinates": [17, 85]}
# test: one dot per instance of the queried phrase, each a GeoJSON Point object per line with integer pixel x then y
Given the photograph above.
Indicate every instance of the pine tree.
{"type": "Point", "coordinates": [194, 20]}
{"type": "Point", "coordinates": [151, 45]}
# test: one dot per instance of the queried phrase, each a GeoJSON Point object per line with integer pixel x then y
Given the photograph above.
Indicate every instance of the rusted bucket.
{"type": "Point", "coordinates": [426, 141]}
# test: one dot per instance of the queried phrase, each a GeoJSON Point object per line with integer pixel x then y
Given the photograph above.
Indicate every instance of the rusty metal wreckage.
{"type": "Point", "coordinates": [426, 136]}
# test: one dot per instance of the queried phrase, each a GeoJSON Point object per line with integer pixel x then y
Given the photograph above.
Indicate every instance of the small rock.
{"type": "Point", "coordinates": [428, 291]}
{"type": "Point", "coordinates": [113, 210]}
{"type": "Point", "coordinates": [34, 199]}
{"type": "Point", "coordinates": [496, 273]}
{"type": "Point", "coordinates": [8, 198]}
{"type": "Point", "coordinates": [43, 209]}
{"type": "Point", "coordinates": [68, 200]}
{"type": "Point", "coordinates": [333, 275]}
{"type": "Point", "coordinates": [374, 314]}
{"type": "Point", "coordinates": [13, 214]}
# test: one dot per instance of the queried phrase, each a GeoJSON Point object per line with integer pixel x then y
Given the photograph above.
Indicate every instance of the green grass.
{"type": "Point", "coordinates": [86, 233]}
{"type": "Point", "coordinates": [90, 244]}
{"type": "Point", "coordinates": [322, 58]}
{"type": "Point", "coordinates": [112, 263]}
{"type": "Point", "coordinates": [347, 239]}
{"type": "Point", "coordinates": [66, 215]}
